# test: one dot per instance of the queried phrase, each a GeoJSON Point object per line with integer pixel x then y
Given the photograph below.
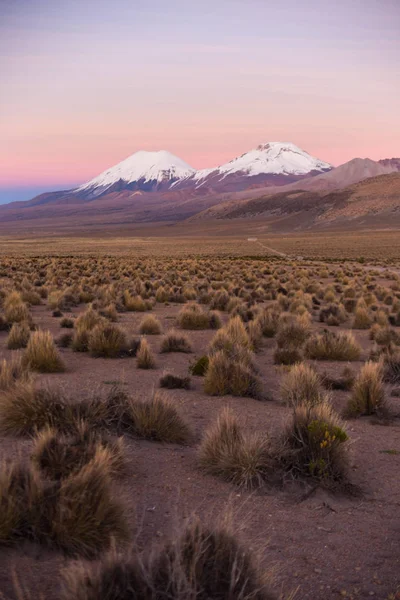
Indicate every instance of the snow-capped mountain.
{"type": "Point", "coordinates": [148, 171]}
{"type": "Point", "coordinates": [273, 162]}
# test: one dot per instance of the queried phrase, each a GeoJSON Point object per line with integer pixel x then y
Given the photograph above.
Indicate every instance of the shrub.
{"type": "Point", "coordinates": [58, 456]}
{"type": "Point", "coordinates": [65, 339]}
{"type": "Point", "coordinates": [314, 444]}
{"type": "Point", "coordinates": [161, 294]}
{"type": "Point", "coordinates": [135, 303]}
{"type": "Point", "coordinates": [80, 339]}
{"type": "Point", "coordinates": [107, 341]}
{"type": "Point", "coordinates": [362, 319]}
{"type": "Point", "coordinates": [67, 323]}
{"type": "Point", "coordinates": [79, 516]}
{"type": "Point", "coordinates": [109, 312]}
{"type": "Point", "coordinates": [255, 334]}
{"type": "Point", "coordinates": [157, 419]}
{"type": "Point", "coordinates": [227, 453]}
{"type": "Point", "coordinates": [172, 382]}
{"type": "Point", "coordinates": [302, 386]}
{"type": "Point", "coordinates": [20, 493]}
{"type": "Point", "coordinates": [368, 395]}
{"type": "Point", "coordinates": [269, 321]}
{"type": "Point", "coordinates": [287, 356]}
{"type": "Point", "coordinates": [200, 366]}
{"type": "Point", "coordinates": [19, 336]}
{"type": "Point", "coordinates": [25, 408]}
{"type": "Point", "coordinates": [201, 563]}
{"type": "Point", "coordinates": [333, 346]}
{"type": "Point", "coordinates": [150, 325]}
{"type": "Point", "coordinates": [391, 367]}
{"type": "Point", "coordinates": [220, 300]}
{"type": "Point", "coordinates": [384, 336]}
{"type": "Point", "coordinates": [333, 314]}
{"type": "Point", "coordinates": [293, 333]}
{"type": "Point", "coordinates": [12, 371]}
{"type": "Point", "coordinates": [344, 382]}
{"type": "Point", "coordinates": [215, 321]}
{"type": "Point", "coordinates": [226, 375]}
{"type": "Point", "coordinates": [84, 324]}
{"type": "Point", "coordinates": [232, 336]}
{"type": "Point", "coordinates": [205, 563]}
{"type": "Point", "coordinates": [15, 309]}
{"type": "Point", "coordinates": [113, 578]}
{"type": "Point", "coordinates": [174, 341]}
{"type": "Point", "coordinates": [144, 356]}
{"type": "Point", "coordinates": [87, 519]}
{"type": "Point", "coordinates": [88, 320]}
{"type": "Point", "coordinates": [41, 353]}
{"type": "Point", "coordinates": [193, 317]}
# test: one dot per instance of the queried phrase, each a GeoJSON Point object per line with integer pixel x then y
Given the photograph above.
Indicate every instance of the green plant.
{"type": "Point", "coordinates": [200, 366]}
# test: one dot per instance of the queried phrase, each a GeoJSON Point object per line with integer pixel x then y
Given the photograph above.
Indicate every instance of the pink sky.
{"type": "Point", "coordinates": [85, 84]}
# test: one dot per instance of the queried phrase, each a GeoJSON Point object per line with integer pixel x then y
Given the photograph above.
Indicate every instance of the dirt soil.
{"type": "Point", "coordinates": [323, 545]}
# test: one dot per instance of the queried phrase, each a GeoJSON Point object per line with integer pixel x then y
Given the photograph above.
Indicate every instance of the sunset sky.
{"type": "Point", "coordinates": [86, 83]}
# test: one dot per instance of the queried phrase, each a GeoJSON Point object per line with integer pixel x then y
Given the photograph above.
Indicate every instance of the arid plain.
{"type": "Point", "coordinates": [174, 408]}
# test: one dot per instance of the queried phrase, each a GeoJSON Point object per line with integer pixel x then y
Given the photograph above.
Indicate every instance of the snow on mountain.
{"type": "Point", "coordinates": [271, 163]}
{"type": "Point", "coordinates": [142, 167]}
{"type": "Point", "coordinates": [272, 158]}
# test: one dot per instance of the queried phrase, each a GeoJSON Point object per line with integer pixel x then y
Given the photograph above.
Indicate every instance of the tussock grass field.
{"type": "Point", "coordinates": [213, 240]}
{"type": "Point", "coordinates": [181, 426]}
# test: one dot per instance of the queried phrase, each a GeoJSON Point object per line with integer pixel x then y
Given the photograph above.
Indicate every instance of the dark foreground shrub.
{"type": "Point", "coordinates": [172, 382]}
{"type": "Point", "coordinates": [57, 456]}
{"type": "Point", "coordinates": [202, 563]}
{"type": "Point", "coordinates": [200, 366]}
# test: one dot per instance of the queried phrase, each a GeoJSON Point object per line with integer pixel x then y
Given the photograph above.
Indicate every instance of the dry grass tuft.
{"type": "Point", "coordinates": [368, 395]}
{"type": "Point", "coordinates": [144, 356]}
{"type": "Point", "coordinates": [294, 333]}
{"type": "Point", "coordinates": [150, 325]}
{"type": "Point", "coordinates": [193, 316]}
{"type": "Point", "coordinates": [12, 371]}
{"type": "Point", "coordinates": [42, 355]}
{"type": "Point", "coordinates": [19, 336]}
{"type": "Point", "coordinates": [362, 319]}
{"type": "Point", "coordinates": [58, 456]}
{"type": "Point", "coordinates": [24, 408]}
{"type": "Point", "coordinates": [231, 375]}
{"type": "Point", "coordinates": [107, 341]}
{"type": "Point", "coordinates": [87, 518]}
{"type": "Point", "coordinates": [174, 341]}
{"type": "Point", "coordinates": [157, 419]}
{"type": "Point", "coordinates": [227, 453]}
{"type": "Point", "coordinates": [287, 356]}
{"type": "Point", "coordinates": [302, 386]}
{"type": "Point", "coordinates": [201, 563]}
{"type": "Point", "coordinates": [333, 346]}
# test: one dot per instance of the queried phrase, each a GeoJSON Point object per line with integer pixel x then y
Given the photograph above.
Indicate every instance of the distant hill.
{"type": "Point", "coordinates": [375, 200]}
